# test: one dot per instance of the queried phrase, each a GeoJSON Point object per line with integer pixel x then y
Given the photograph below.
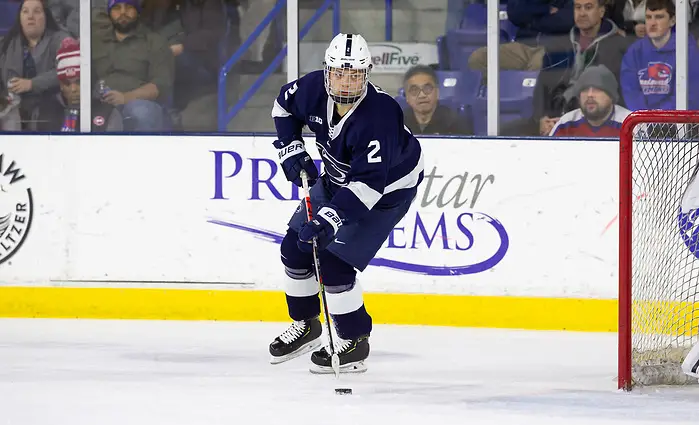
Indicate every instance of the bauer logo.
{"type": "Point", "coordinates": [445, 233]}
{"type": "Point", "coordinates": [16, 208]}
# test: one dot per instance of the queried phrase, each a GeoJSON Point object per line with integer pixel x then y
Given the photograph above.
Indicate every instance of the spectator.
{"type": "Point", "coordinates": [599, 114]}
{"type": "Point", "coordinates": [137, 66]}
{"type": "Point", "coordinates": [163, 17]}
{"type": "Point", "coordinates": [27, 58]}
{"type": "Point", "coordinates": [425, 115]}
{"type": "Point", "coordinates": [67, 15]}
{"type": "Point", "coordinates": [541, 23]}
{"type": "Point", "coordinates": [629, 16]}
{"type": "Point", "coordinates": [648, 68]}
{"type": "Point", "coordinates": [593, 41]}
{"type": "Point", "coordinates": [196, 29]}
{"type": "Point", "coordinates": [62, 112]}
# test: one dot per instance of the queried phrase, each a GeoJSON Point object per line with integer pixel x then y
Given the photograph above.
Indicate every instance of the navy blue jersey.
{"type": "Point", "coordinates": [371, 159]}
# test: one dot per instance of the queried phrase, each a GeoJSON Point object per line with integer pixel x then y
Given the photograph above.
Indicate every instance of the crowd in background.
{"type": "Point", "coordinates": [155, 64]}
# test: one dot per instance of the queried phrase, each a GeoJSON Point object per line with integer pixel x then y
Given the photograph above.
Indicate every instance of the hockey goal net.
{"type": "Point", "coordinates": [658, 246]}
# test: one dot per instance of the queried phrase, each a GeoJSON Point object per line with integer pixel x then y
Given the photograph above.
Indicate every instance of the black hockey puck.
{"type": "Point", "coordinates": [343, 391]}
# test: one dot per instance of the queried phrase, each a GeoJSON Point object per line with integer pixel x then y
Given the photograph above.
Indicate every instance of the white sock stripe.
{"type": "Point", "coordinates": [345, 302]}
{"type": "Point", "coordinates": [301, 287]}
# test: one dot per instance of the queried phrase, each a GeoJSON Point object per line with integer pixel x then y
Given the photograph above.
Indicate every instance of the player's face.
{"type": "Point", "coordinates": [422, 93]}
{"type": "Point", "coordinates": [347, 82]}
{"type": "Point", "coordinates": [595, 104]}
{"type": "Point", "coordinates": [658, 23]}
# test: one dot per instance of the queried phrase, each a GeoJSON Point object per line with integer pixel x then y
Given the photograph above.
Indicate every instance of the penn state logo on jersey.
{"type": "Point", "coordinates": [336, 170]}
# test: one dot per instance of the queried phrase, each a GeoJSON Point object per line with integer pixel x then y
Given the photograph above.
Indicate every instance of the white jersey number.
{"type": "Point", "coordinates": [291, 91]}
{"type": "Point", "coordinates": [372, 158]}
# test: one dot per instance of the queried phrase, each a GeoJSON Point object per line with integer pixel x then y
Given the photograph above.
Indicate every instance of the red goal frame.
{"type": "Point", "coordinates": [625, 226]}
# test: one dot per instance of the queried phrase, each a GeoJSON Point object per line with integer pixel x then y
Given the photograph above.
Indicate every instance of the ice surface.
{"type": "Point", "coordinates": [148, 372]}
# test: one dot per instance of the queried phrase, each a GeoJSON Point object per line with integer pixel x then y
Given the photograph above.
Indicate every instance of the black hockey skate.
{"type": "Point", "coordinates": [302, 337]}
{"type": "Point", "coordinates": [352, 354]}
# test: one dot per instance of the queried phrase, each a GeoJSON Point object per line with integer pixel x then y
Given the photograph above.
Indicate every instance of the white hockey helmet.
{"type": "Point", "coordinates": [347, 66]}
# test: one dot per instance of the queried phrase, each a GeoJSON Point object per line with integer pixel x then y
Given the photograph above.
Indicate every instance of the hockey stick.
{"type": "Point", "coordinates": [335, 359]}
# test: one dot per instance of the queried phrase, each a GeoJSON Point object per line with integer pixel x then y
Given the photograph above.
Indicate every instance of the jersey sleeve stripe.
{"type": "Point", "coordinates": [368, 196]}
{"type": "Point", "coordinates": [409, 180]}
{"type": "Point", "coordinates": [278, 111]}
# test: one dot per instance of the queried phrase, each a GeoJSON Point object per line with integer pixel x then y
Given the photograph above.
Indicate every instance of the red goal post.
{"type": "Point", "coordinates": [658, 253]}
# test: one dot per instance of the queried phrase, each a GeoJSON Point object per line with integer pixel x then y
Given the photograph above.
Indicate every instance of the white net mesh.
{"type": "Point", "coordinates": [665, 267]}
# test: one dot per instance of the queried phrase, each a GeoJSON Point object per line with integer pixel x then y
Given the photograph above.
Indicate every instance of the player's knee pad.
{"type": "Point", "coordinates": [344, 294]}
{"type": "Point", "coordinates": [298, 267]}
{"type": "Point", "coordinates": [292, 256]}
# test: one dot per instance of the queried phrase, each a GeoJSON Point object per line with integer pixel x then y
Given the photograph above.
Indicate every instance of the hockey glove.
{"type": "Point", "coordinates": [324, 226]}
{"type": "Point", "coordinates": [294, 159]}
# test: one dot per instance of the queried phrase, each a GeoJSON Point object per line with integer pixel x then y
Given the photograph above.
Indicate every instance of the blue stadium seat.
{"type": "Point", "coordinates": [516, 96]}
{"type": "Point", "coordinates": [8, 15]}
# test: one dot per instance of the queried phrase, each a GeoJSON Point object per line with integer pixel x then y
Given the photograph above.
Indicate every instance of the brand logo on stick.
{"type": "Point", "coordinates": [16, 208]}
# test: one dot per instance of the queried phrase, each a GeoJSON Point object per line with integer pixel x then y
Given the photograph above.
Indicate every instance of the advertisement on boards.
{"type": "Point", "coordinates": [492, 217]}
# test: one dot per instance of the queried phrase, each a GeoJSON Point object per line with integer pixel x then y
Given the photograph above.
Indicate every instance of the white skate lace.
{"type": "Point", "coordinates": [294, 332]}
{"type": "Point", "coordinates": [340, 344]}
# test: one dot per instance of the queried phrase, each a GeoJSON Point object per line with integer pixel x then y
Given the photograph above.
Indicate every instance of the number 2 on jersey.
{"type": "Point", "coordinates": [372, 158]}
{"type": "Point", "coordinates": [291, 91]}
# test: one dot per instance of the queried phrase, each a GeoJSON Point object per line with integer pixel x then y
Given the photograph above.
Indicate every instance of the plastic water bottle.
{"type": "Point", "coordinates": [102, 87]}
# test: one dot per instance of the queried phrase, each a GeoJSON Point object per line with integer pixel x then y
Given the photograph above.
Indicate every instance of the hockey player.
{"type": "Point", "coordinates": [690, 365]}
{"type": "Point", "coordinates": [373, 166]}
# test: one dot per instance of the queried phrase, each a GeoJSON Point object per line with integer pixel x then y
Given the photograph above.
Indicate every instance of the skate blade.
{"type": "Point", "coordinates": [307, 348]}
{"type": "Point", "coordinates": [355, 367]}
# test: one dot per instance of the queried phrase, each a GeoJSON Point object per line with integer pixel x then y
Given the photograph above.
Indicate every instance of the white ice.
{"type": "Point", "coordinates": [149, 372]}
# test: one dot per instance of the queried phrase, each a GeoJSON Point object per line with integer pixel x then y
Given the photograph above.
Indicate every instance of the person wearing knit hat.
{"type": "Point", "coordinates": [62, 112]}
{"type": "Point", "coordinates": [137, 68]}
{"type": "Point", "coordinates": [125, 19]}
{"type": "Point", "coordinates": [599, 114]}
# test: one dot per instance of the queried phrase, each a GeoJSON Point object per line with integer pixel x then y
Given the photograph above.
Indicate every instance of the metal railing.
{"type": "Point", "coordinates": [225, 115]}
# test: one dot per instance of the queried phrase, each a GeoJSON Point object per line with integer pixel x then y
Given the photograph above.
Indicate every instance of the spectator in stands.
{"type": "Point", "coordinates": [425, 115]}
{"type": "Point", "coordinates": [67, 14]}
{"type": "Point", "coordinates": [599, 114]}
{"type": "Point", "coordinates": [629, 16]}
{"type": "Point", "coordinates": [648, 68]}
{"type": "Point", "coordinates": [195, 30]}
{"type": "Point", "coordinates": [62, 112]}
{"type": "Point", "coordinates": [593, 41]}
{"type": "Point", "coordinates": [540, 23]}
{"type": "Point", "coordinates": [137, 66]}
{"type": "Point", "coordinates": [27, 57]}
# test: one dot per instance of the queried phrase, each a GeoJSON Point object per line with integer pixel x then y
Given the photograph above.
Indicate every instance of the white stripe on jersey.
{"type": "Point", "coordinates": [369, 197]}
{"type": "Point", "coordinates": [364, 193]}
{"type": "Point", "coordinates": [278, 111]}
{"type": "Point", "coordinates": [409, 180]}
